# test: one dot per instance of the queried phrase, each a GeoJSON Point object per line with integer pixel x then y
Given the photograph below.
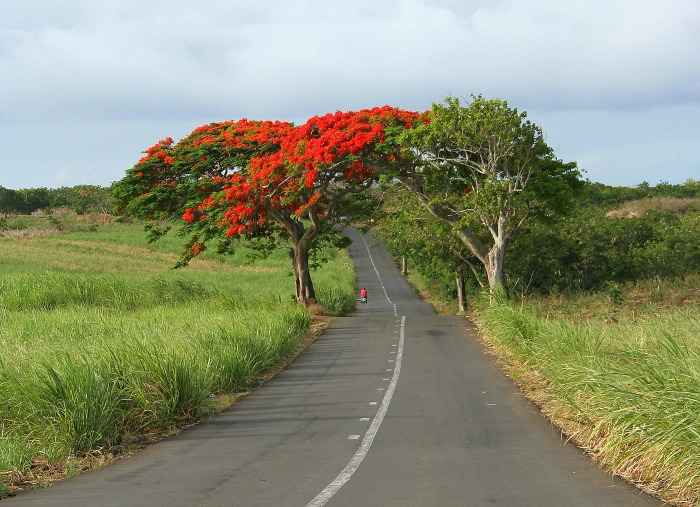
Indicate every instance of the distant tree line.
{"type": "Point", "coordinates": [599, 194]}
{"type": "Point", "coordinates": [81, 199]}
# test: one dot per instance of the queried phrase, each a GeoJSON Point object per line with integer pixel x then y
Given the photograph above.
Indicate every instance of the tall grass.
{"type": "Point", "coordinates": [91, 352]}
{"type": "Point", "coordinates": [78, 389]}
{"type": "Point", "coordinates": [629, 393]}
{"type": "Point", "coordinates": [49, 290]}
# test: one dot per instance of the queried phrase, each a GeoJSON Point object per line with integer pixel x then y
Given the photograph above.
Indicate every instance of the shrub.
{"type": "Point", "coordinates": [588, 249]}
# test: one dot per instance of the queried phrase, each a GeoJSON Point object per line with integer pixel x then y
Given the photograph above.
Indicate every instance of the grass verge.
{"type": "Point", "coordinates": [628, 393]}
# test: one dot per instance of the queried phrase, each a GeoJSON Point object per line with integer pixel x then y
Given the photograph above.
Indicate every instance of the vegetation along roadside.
{"type": "Point", "coordinates": [601, 329]}
{"type": "Point", "coordinates": [105, 347]}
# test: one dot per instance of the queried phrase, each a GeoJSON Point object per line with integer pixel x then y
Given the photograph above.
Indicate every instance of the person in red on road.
{"type": "Point", "coordinates": [363, 295]}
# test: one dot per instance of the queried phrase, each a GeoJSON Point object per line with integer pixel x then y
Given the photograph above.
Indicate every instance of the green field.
{"type": "Point", "coordinates": [102, 340]}
{"type": "Point", "coordinates": [619, 371]}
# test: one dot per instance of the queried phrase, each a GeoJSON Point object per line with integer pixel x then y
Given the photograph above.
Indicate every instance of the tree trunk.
{"type": "Point", "coordinates": [309, 289]}
{"type": "Point", "coordinates": [461, 301]}
{"type": "Point", "coordinates": [306, 294]}
{"type": "Point", "coordinates": [302, 239]}
{"type": "Point", "coordinates": [491, 259]}
{"type": "Point", "coordinates": [494, 270]}
{"type": "Point", "coordinates": [404, 265]}
{"type": "Point", "coordinates": [297, 285]}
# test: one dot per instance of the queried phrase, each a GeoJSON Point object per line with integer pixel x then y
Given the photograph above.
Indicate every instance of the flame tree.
{"type": "Point", "coordinates": [255, 178]}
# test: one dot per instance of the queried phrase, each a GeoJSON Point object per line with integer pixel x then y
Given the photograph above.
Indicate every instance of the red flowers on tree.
{"type": "Point", "coordinates": [247, 177]}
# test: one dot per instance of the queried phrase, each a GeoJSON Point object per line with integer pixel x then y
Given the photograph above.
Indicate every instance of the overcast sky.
{"type": "Point", "coordinates": [86, 85]}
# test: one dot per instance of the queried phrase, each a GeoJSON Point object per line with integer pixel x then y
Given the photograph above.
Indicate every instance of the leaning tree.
{"type": "Point", "coordinates": [483, 170]}
{"type": "Point", "coordinates": [412, 232]}
{"type": "Point", "coordinates": [250, 178]}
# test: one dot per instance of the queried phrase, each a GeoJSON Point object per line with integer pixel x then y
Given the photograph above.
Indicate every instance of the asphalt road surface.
{"type": "Point", "coordinates": [392, 406]}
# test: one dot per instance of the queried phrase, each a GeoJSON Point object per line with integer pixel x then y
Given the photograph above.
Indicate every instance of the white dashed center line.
{"type": "Point", "coordinates": [376, 271]}
{"type": "Point", "coordinates": [346, 473]}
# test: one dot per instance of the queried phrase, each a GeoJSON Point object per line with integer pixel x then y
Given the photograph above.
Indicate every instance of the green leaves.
{"type": "Point", "coordinates": [484, 157]}
{"type": "Point", "coordinates": [485, 169]}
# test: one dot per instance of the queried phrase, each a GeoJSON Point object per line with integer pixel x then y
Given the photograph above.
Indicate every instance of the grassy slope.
{"type": "Point", "coordinates": [640, 207]}
{"type": "Point", "coordinates": [101, 339]}
{"type": "Point", "coordinates": [622, 379]}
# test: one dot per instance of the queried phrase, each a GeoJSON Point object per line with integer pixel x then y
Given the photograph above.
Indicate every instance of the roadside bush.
{"type": "Point", "coordinates": [584, 251]}
{"type": "Point", "coordinates": [589, 250]}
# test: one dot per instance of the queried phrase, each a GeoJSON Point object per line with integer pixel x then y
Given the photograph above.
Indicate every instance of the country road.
{"type": "Point", "coordinates": [392, 406]}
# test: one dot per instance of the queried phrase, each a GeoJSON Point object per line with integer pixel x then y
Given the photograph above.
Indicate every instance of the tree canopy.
{"type": "Point", "coordinates": [253, 178]}
{"type": "Point", "coordinates": [484, 169]}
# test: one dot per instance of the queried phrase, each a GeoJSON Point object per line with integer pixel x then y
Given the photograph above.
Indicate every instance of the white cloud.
{"type": "Point", "coordinates": [121, 64]}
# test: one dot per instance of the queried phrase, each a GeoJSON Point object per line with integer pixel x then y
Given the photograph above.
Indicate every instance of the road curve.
{"type": "Point", "coordinates": [371, 414]}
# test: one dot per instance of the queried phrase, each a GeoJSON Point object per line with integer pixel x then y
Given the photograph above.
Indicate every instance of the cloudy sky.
{"type": "Point", "coordinates": [85, 85]}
